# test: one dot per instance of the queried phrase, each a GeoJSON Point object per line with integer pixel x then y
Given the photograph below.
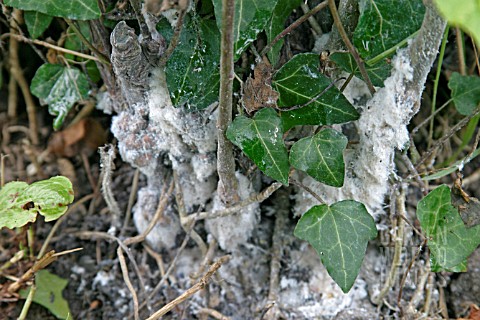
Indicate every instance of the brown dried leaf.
{"type": "Point", "coordinates": [258, 92]}
{"type": "Point", "coordinates": [468, 207]}
{"type": "Point", "coordinates": [84, 136]}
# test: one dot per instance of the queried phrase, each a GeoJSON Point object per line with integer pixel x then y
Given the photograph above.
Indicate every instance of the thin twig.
{"type": "Point", "coordinates": [281, 203]}
{"type": "Point", "coordinates": [59, 222]}
{"type": "Point", "coordinates": [183, 214]}
{"type": "Point", "coordinates": [131, 200]}
{"type": "Point", "coordinates": [107, 156]}
{"type": "Point", "coordinates": [293, 26]}
{"type": "Point", "coordinates": [85, 41]}
{"type": "Point", "coordinates": [317, 30]}
{"type": "Point", "coordinates": [17, 73]}
{"type": "Point", "coordinates": [301, 185]}
{"type": "Point", "coordinates": [50, 46]}
{"type": "Point", "coordinates": [427, 119]}
{"type": "Point", "coordinates": [194, 289]}
{"type": "Point", "coordinates": [174, 40]}
{"type": "Point", "coordinates": [126, 279]}
{"type": "Point", "coordinates": [28, 302]}
{"type": "Point", "coordinates": [404, 277]}
{"type": "Point", "coordinates": [104, 235]}
{"type": "Point", "coordinates": [162, 204]}
{"type": "Point", "coordinates": [12, 83]}
{"type": "Point", "coordinates": [351, 48]}
{"type": "Point", "coordinates": [462, 123]}
{"type": "Point", "coordinates": [267, 192]}
{"type": "Point", "coordinates": [169, 270]}
{"type": "Point", "coordinates": [228, 185]}
{"type": "Point", "coordinates": [399, 237]}
{"type": "Point", "coordinates": [213, 313]}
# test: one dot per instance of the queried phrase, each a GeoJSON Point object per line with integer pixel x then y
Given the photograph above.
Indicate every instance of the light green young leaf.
{"type": "Point", "coordinates": [276, 24]}
{"type": "Point", "coordinates": [49, 293]}
{"type": "Point", "coordinates": [36, 22]}
{"type": "Point", "coordinates": [385, 23]}
{"type": "Point", "coordinates": [450, 242]}
{"type": "Point", "coordinates": [377, 73]}
{"type": "Point", "coordinates": [261, 140]}
{"type": "Point", "coordinates": [465, 14]}
{"type": "Point", "coordinates": [71, 9]}
{"type": "Point", "coordinates": [465, 92]}
{"type": "Point", "coordinates": [60, 87]}
{"type": "Point", "coordinates": [454, 167]}
{"type": "Point", "coordinates": [321, 156]}
{"type": "Point", "coordinates": [20, 203]}
{"type": "Point", "coordinates": [298, 82]}
{"type": "Point", "coordinates": [193, 76]}
{"type": "Point", "coordinates": [251, 17]}
{"type": "Point", "coordinates": [340, 234]}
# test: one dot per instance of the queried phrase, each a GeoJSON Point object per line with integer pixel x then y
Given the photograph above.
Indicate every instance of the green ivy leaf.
{"type": "Point", "coordinates": [251, 17]}
{"type": "Point", "coordinates": [385, 23]}
{"type": "Point", "coordinates": [340, 234]}
{"type": "Point", "coordinates": [276, 24]}
{"type": "Point", "coordinates": [321, 156]}
{"type": "Point", "coordinates": [450, 242]}
{"type": "Point", "coordinates": [465, 92]}
{"type": "Point", "coordinates": [49, 293]}
{"type": "Point", "coordinates": [60, 87]}
{"type": "Point", "coordinates": [466, 15]}
{"type": "Point", "coordinates": [461, 267]}
{"type": "Point", "coordinates": [261, 140]}
{"type": "Point", "coordinates": [298, 82]}
{"type": "Point", "coordinates": [20, 203]}
{"type": "Point", "coordinates": [377, 73]}
{"type": "Point", "coordinates": [192, 71]}
{"type": "Point", "coordinates": [36, 22]}
{"type": "Point", "coordinates": [71, 9]}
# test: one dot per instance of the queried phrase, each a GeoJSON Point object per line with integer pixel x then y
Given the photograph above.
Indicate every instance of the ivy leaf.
{"type": "Point", "coordinates": [450, 242]}
{"type": "Point", "coordinates": [461, 267]}
{"type": "Point", "coordinates": [60, 87]}
{"type": "Point", "coordinates": [321, 156]}
{"type": "Point", "coordinates": [192, 71]}
{"type": "Point", "coordinates": [340, 234]}
{"type": "Point", "coordinates": [377, 73]}
{"type": "Point", "coordinates": [276, 24]}
{"type": "Point", "coordinates": [71, 9]}
{"type": "Point", "coordinates": [465, 92]}
{"type": "Point", "coordinates": [261, 140]}
{"type": "Point", "coordinates": [20, 203]}
{"type": "Point", "coordinates": [298, 82]}
{"type": "Point", "coordinates": [251, 17]}
{"type": "Point", "coordinates": [385, 23]}
{"type": "Point", "coordinates": [467, 15]}
{"type": "Point", "coordinates": [49, 293]}
{"type": "Point", "coordinates": [36, 22]}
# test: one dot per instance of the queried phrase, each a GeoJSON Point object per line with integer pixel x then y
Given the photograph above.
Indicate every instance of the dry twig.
{"type": "Point", "coordinates": [187, 294]}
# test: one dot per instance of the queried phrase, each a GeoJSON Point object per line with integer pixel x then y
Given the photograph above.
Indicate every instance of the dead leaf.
{"type": "Point", "coordinates": [468, 207]}
{"type": "Point", "coordinates": [258, 92]}
{"type": "Point", "coordinates": [84, 136]}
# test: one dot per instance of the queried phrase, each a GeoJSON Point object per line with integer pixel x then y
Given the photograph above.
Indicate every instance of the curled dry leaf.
{"type": "Point", "coordinates": [258, 92]}
{"type": "Point", "coordinates": [84, 136]}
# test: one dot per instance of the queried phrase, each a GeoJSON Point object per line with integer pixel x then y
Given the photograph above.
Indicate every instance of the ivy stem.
{"type": "Point", "coordinates": [85, 41]}
{"type": "Point", "coordinates": [399, 237]}
{"type": "Point", "coordinates": [293, 26]}
{"type": "Point", "coordinates": [350, 46]}
{"type": "Point", "coordinates": [225, 161]}
{"type": "Point", "coordinates": [435, 83]}
{"type": "Point", "coordinates": [175, 38]}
